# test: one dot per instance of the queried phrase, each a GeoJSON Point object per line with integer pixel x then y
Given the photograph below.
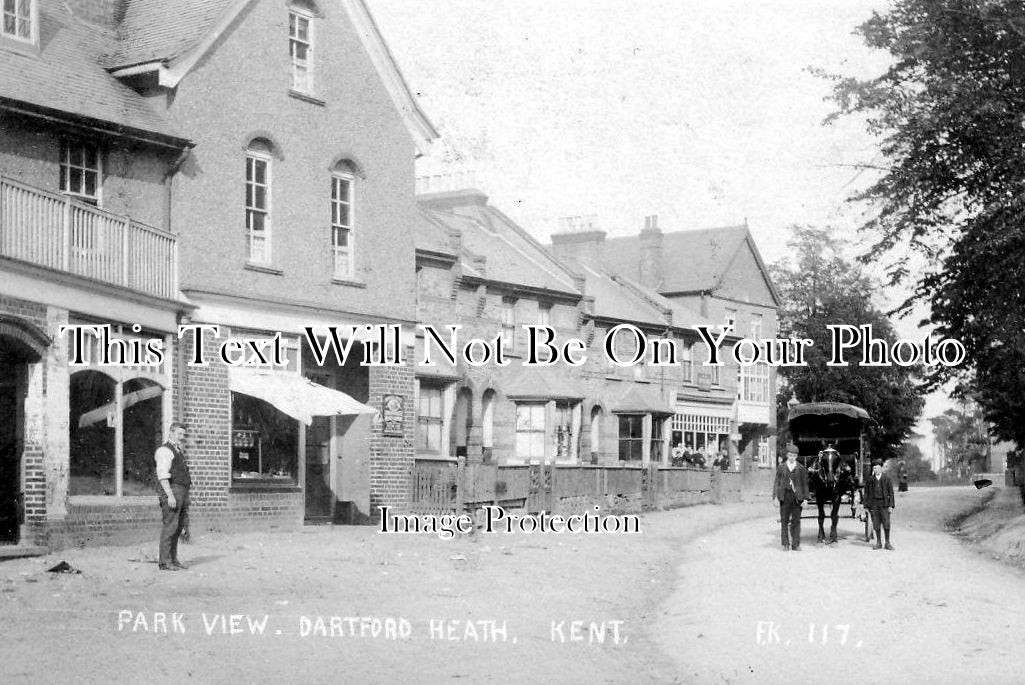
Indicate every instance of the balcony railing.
{"type": "Point", "coordinates": [57, 232]}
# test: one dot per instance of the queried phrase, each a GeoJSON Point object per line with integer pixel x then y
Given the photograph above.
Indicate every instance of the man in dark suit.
{"type": "Point", "coordinates": [879, 502]}
{"type": "Point", "coordinates": [790, 489]}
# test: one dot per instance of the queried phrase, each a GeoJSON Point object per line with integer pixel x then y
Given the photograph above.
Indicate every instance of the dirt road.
{"type": "Point", "coordinates": [933, 611]}
{"type": "Point", "coordinates": [682, 602]}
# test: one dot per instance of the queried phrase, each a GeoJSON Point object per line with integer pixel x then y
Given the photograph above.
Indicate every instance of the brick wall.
{"type": "Point", "coordinates": [207, 414]}
{"type": "Point", "coordinates": [117, 522]}
{"type": "Point", "coordinates": [355, 119]}
{"type": "Point", "coordinates": [391, 458]}
{"type": "Point", "coordinates": [216, 503]}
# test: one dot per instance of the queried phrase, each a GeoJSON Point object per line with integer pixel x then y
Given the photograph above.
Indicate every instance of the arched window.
{"type": "Point", "coordinates": [259, 153]}
{"type": "Point", "coordinates": [113, 434]}
{"type": "Point", "coordinates": [343, 181]}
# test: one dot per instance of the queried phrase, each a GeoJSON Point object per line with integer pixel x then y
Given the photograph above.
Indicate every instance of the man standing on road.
{"type": "Point", "coordinates": [173, 482]}
{"type": "Point", "coordinates": [791, 490]}
{"type": "Point", "coordinates": [879, 502]}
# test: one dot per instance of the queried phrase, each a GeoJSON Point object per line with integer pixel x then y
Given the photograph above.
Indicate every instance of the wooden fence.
{"type": "Point", "coordinates": [444, 487]}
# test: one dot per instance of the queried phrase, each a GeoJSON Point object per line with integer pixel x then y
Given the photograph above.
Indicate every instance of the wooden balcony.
{"type": "Point", "coordinates": [60, 233]}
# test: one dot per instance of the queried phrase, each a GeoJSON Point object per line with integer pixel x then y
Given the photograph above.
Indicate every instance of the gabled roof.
{"type": "Point", "coordinates": [171, 37]}
{"type": "Point", "coordinates": [681, 272]}
{"type": "Point", "coordinates": [533, 383]}
{"type": "Point", "coordinates": [639, 399]}
{"type": "Point", "coordinates": [66, 77]}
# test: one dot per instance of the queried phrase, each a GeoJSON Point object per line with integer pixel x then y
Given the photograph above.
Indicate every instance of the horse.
{"type": "Point", "coordinates": [830, 477]}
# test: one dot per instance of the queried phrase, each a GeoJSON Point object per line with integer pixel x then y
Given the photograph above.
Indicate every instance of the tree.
{"type": "Point", "coordinates": [818, 288]}
{"type": "Point", "coordinates": [949, 115]}
{"type": "Point", "coordinates": [961, 435]}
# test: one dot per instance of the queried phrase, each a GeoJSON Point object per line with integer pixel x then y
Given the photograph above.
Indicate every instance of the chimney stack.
{"type": "Point", "coordinates": [650, 266]}
{"type": "Point", "coordinates": [579, 241]}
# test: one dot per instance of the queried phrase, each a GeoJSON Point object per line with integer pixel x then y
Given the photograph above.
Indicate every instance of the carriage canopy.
{"type": "Point", "coordinates": [815, 423]}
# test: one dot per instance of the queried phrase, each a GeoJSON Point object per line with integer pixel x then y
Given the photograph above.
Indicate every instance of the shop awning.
{"type": "Point", "coordinates": [294, 395]}
{"type": "Point", "coordinates": [105, 412]}
{"type": "Point", "coordinates": [642, 400]}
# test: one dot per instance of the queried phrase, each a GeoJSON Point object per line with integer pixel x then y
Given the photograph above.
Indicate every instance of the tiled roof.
{"type": "Point", "coordinates": [154, 30]}
{"type": "Point", "coordinates": [65, 75]}
{"type": "Point", "coordinates": [432, 232]}
{"type": "Point", "coordinates": [682, 316]}
{"type": "Point", "coordinates": [681, 272]}
{"type": "Point", "coordinates": [614, 301]}
{"type": "Point", "coordinates": [638, 399]}
{"type": "Point", "coordinates": [509, 254]}
{"type": "Point", "coordinates": [512, 256]}
{"type": "Point", "coordinates": [523, 256]}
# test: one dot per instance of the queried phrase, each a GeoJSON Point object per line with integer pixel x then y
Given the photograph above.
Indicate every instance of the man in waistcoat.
{"type": "Point", "coordinates": [879, 502]}
{"type": "Point", "coordinates": [791, 490]}
{"type": "Point", "coordinates": [173, 482]}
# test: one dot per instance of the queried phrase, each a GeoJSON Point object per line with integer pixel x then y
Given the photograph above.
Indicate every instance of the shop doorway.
{"type": "Point", "coordinates": [14, 361]}
{"type": "Point", "coordinates": [319, 494]}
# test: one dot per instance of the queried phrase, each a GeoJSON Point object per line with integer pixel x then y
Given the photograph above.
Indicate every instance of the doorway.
{"type": "Point", "coordinates": [13, 388]}
{"type": "Point", "coordinates": [319, 494]}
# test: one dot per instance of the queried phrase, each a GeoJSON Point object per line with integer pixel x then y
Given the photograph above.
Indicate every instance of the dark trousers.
{"type": "Point", "coordinates": [790, 520]}
{"type": "Point", "coordinates": [174, 522]}
{"type": "Point", "coordinates": [880, 517]}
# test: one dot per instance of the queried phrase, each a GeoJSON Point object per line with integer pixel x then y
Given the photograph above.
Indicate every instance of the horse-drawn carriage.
{"type": "Point", "coordinates": [831, 444]}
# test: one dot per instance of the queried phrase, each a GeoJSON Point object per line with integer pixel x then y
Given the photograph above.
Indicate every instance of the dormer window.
{"type": "Point", "coordinates": [18, 20]}
{"type": "Point", "coordinates": [300, 48]}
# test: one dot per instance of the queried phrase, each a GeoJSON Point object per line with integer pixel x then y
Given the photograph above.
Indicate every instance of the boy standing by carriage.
{"type": "Point", "coordinates": [790, 489]}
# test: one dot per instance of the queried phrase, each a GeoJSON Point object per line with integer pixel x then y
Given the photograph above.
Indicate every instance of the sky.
{"type": "Point", "coordinates": [704, 112]}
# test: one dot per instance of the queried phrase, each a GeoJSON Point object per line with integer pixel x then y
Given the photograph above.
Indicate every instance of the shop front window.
{"type": "Point", "coordinates": [265, 441]}
{"type": "Point", "coordinates": [98, 416]}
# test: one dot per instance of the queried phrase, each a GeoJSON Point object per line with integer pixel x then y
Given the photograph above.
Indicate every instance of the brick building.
{"type": "Point", "coordinates": [479, 269]}
{"type": "Point", "coordinates": [171, 163]}
{"type": "Point", "coordinates": [719, 274]}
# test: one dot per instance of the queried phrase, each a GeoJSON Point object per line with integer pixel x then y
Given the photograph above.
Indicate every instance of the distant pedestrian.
{"type": "Point", "coordinates": [902, 477]}
{"type": "Point", "coordinates": [790, 489]}
{"type": "Point", "coordinates": [173, 483]}
{"type": "Point", "coordinates": [879, 502]}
